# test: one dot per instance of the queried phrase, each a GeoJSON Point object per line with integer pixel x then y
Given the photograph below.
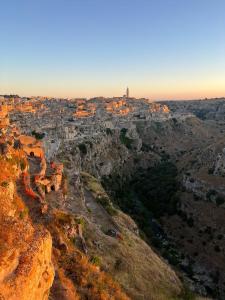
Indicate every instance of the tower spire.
{"type": "Point", "coordinates": [127, 93]}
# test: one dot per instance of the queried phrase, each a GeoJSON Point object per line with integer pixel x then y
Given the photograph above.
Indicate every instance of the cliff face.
{"type": "Point", "coordinates": [106, 154]}
{"type": "Point", "coordinates": [26, 270]}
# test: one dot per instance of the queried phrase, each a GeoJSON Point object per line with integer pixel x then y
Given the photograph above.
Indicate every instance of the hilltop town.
{"type": "Point", "coordinates": [80, 117]}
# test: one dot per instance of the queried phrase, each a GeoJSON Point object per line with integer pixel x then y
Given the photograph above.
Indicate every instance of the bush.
{"type": "Point", "coordinates": [219, 236]}
{"type": "Point", "coordinates": [109, 131]}
{"type": "Point", "coordinates": [81, 221]}
{"type": "Point", "coordinates": [210, 171]}
{"type": "Point", "coordinates": [145, 147]}
{"type": "Point", "coordinates": [190, 222]}
{"type": "Point", "coordinates": [174, 120]}
{"type": "Point", "coordinates": [220, 200]}
{"type": "Point", "coordinates": [172, 256]}
{"type": "Point", "coordinates": [211, 194]}
{"type": "Point", "coordinates": [24, 213]}
{"type": "Point", "coordinates": [124, 139]}
{"type": "Point", "coordinates": [217, 248]}
{"type": "Point", "coordinates": [83, 149]}
{"type": "Point", "coordinates": [186, 294]}
{"type": "Point", "coordinates": [95, 260]}
{"type": "Point", "coordinates": [37, 135]}
{"type": "Point", "coordinates": [136, 160]}
{"type": "Point", "coordinates": [105, 202]}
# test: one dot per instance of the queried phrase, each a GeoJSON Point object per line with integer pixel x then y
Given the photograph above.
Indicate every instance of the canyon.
{"type": "Point", "coordinates": [112, 198]}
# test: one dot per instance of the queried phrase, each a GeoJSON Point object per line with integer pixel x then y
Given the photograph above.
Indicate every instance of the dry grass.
{"type": "Point", "coordinates": [89, 281]}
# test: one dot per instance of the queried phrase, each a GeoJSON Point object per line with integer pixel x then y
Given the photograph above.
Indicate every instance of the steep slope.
{"type": "Point", "coordinates": [114, 237]}
{"type": "Point", "coordinates": [26, 270]}
{"type": "Point", "coordinates": [90, 236]}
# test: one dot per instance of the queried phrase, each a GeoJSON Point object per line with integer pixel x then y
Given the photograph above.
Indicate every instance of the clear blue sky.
{"type": "Point", "coordinates": [159, 48]}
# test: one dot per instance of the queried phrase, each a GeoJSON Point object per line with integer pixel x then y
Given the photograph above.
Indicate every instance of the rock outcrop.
{"type": "Point", "coordinates": [26, 269]}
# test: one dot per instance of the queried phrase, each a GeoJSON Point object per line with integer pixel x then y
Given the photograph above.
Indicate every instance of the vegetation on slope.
{"type": "Point", "coordinates": [124, 139]}
{"type": "Point", "coordinates": [93, 185]}
{"type": "Point", "coordinates": [157, 188]}
{"type": "Point", "coordinates": [124, 254]}
{"type": "Point", "coordinates": [150, 193]}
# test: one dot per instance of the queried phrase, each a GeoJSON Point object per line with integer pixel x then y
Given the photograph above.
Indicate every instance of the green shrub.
{"type": "Point", "coordinates": [81, 221]}
{"type": "Point", "coordinates": [220, 200]}
{"type": "Point", "coordinates": [219, 236]}
{"type": "Point", "coordinates": [109, 131]}
{"type": "Point", "coordinates": [124, 139]}
{"type": "Point", "coordinates": [83, 149]}
{"type": "Point", "coordinates": [186, 294]}
{"type": "Point", "coordinates": [190, 222]}
{"type": "Point", "coordinates": [24, 213]}
{"type": "Point", "coordinates": [217, 248]}
{"type": "Point", "coordinates": [211, 194]}
{"type": "Point", "coordinates": [174, 120]}
{"type": "Point", "coordinates": [95, 260]}
{"type": "Point", "coordinates": [105, 202]}
{"type": "Point", "coordinates": [145, 147]}
{"type": "Point", "coordinates": [136, 160]}
{"type": "Point", "coordinates": [37, 135]}
{"type": "Point", "coordinates": [210, 171]}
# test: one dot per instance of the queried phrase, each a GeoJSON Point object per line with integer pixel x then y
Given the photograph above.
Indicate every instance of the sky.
{"type": "Point", "coordinates": [161, 49]}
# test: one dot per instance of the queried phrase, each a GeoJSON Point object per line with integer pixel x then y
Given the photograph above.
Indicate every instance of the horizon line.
{"type": "Point", "coordinates": [111, 97]}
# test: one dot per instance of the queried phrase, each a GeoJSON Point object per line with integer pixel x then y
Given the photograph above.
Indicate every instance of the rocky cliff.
{"type": "Point", "coordinates": [26, 269]}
